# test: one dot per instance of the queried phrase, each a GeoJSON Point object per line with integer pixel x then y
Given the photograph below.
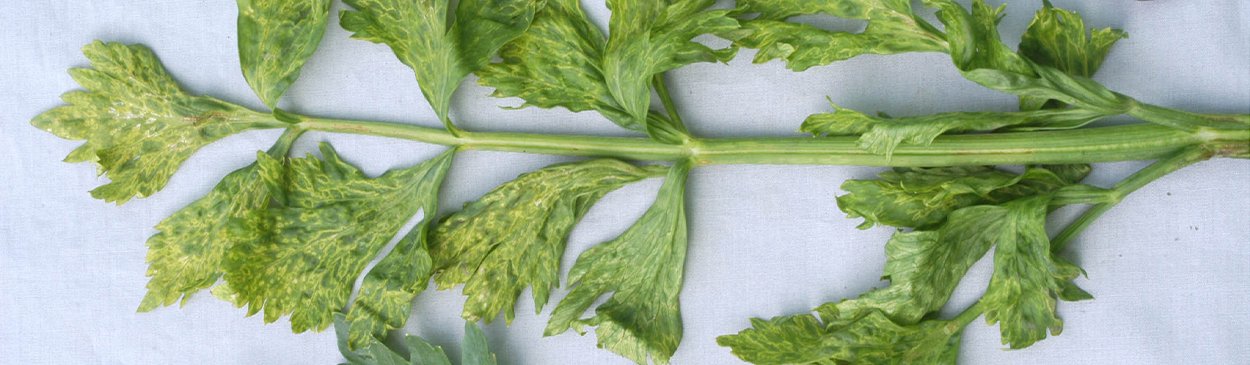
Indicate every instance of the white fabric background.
{"type": "Point", "coordinates": [1169, 266]}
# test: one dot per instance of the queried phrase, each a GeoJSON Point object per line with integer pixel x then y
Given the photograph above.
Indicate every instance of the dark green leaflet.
{"type": "Point", "coordinates": [642, 268]}
{"type": "Point", "coordinates": [514, 236]}
{"type": "Point", "coordinates": [139, 125]}
{"type": "Point", "coordinates": [886, 326]}
{"type": "Point", "coordinates": [920, 198]}
{"type": "Point", "coordinates": [870, 339]}
{"type": "Point", "coordinates": [275, 38]}
{"type": "Point", "coordinates": [473, 351]}
{"type": "Point", "coordinates": [556, 63]}
{"type": "Point", "coordinates": [1058, 38]}
{"type": "Point", "coordinates": [881, 135]}
{"type": "Point", "coordinates": [1027, 276]}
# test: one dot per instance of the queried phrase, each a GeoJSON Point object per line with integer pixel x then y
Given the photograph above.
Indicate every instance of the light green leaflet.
{"type": "Point", "coordinates": [302, 257]}
{"type": "Point", "coordinates": [474, 350]}
{"type": "Point", "coordinates": [922, 197]}
{"type": "Point", "coordinates": [441, 54]}
{"type": "Point", "coordinates": [275, 38]}
{"type": "Point", "coordinates": [139, 125]}
{"type": "Point", "coordinates": [642, 268]}
{"type": "Point", "coordinates": [871, 339]}
{"type": "Point", "coordinates": [881, 135]}
{"type": "Point", "coordinates": [563, 60]}
{"type": "Point", "coordinates": [514, 236]}
{"type": "Point", "coordinates": [892, 28]}
{"type": "Point", "coordinates": [186, 255]}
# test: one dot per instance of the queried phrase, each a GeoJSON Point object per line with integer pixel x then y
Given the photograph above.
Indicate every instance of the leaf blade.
{"type": "Point", "coordinates": [643, 269]}
{"type": "Point", "coordinates": [139, 126]}
{"type": "Point", "coordinates": [514, 236]}
{"type": "Point", "coordinates": [302, 258]}
{"type": "Point", "coordinates": [276, 37]}
{"type": "Point", "coordinates": [892, 28]}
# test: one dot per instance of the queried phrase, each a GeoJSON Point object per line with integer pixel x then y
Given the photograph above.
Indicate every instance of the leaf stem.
{"type": "Point", "coordinates": [968, 315]}
{"type": "Point", "coordinates": [283, 145]}
{"type": "Point", "coordinates": [1102, 144]}
{"type": "Point", "coordinates": [661, 89]}
{"type": "Point", "coordinates": [1176, 161]}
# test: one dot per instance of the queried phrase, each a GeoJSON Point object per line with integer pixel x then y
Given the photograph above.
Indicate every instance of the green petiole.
{"type": "Point", "coordinates": [1102, 144]}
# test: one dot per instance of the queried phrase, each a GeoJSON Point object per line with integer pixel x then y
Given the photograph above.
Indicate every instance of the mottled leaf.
{"type": "Point", "coordinates": [275, 38]}
{"type": "Point", "coordinates": [647, 37]}
{"type": "Point", "coordinates": [1028, 278]}
{"type": "Point", "coordinates": [439, 50]}
{"type": "Point", "coordinates": [922, 197]}
{"type": "Point", "coordinates": [1073, 173]}
{"type": "Point", "coordinates": [139, 125]}
{"type": "Point", "coordinates": [186, 255]}
{"type": "Point", "coordinates": [302, 256]}
{"type": "Point", "coordinates": [473, 351]}
{"type": "Point", "coordinates": [385, 297]}
{"type": "Point", "coordinates": [563, 60]}
{"type": "Point", "coordinates": [556, 63]}
{"type": "Point", "coordinates": [1057, 38]}
{"type": "Point", "coordinates": [982, 57]}
{"type": "Point", "coordinates": [514, 236]}
{"type": "Point", "coordinates": [892, 28]}
{"type": "Point", "coordinates": [881, 135]}
{"type": "Point", "coordinates": [642, 269]}
{"type": "Point", "coordinates": [869, 339]}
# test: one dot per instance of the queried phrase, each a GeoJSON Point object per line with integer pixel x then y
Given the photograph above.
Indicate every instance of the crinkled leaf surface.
{"type": "Point", "coordinates": [1055, 39]}
{"type": "Point", "coordinates": [1058, 38]}
{"type": "Point", "coordinates": [473, 351]}
{"type": "Point", "coordinates": [922, 197]}
{"type": "Point", "coordinates": [892, 28]}
{"type": "Point", "coordinates": [1028, 278]}
{"type": "Point", "coordinates": [556, 63]}
{"type": "Point", "coordinates": [514, 236]}
{"type": "Point", "coordinates": [563, 60]}
{"type": "Point", "coordinates": [886, 326]}
{"type": "Point", "coordinates": [882, 135]}
{"type": "Point", "coordinates": [642, 268]}
{"type": "Point", "coordinates": [186, 255]}
{"type": "Point", "coordinates": [441, 53]}
{"type": "Point", "coordinates": [275, 38]}
{"type": "Point", "coordinates": [869, 339]}
{"type": "Point", "coordinates": [139, 125]}
{"type": "Point", "coordinates": [980, 54]}
{"type": "Point", "coordinates": [303, 256]}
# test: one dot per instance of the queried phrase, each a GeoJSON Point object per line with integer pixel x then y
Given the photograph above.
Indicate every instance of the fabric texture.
{"type": "Point", "coordinates": [1168, 266]}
